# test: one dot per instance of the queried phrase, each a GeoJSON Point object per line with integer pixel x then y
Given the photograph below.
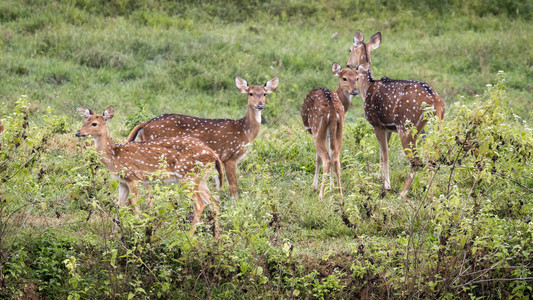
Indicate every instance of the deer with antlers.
{"type": "Point", "coordinates": [323, 116]}
{"type": "Point", "coordinates": [136, 162]}
{"type": "Point", "coordinates": [227, 137]}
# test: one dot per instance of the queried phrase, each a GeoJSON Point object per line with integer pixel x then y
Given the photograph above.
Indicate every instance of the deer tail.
{"type": "Point", "coordinates": [440, 112]}
{"type": "Point", "coordinates": [136, 133]}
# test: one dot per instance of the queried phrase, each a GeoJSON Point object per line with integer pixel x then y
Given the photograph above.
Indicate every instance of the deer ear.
{"type": "Point", "coordinates": [85, 112]}
{"type": "Point", "coordinates": [363, 68]}
{"type": "Point", "coordinates": [358, 37]}
{"type": "Point", "coordinates": [241, 84]}
{"type": "Point", "coordinates": [108, 113]}
{"type": "Point", "coordinates": [375, 40]}
{"type": "Point", "coordinates": [336, 69]}
{"type": "Point", "coordinates": [271, 85]}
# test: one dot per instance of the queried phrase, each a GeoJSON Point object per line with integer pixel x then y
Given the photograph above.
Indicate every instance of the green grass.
{"type": "Point", "coordinates": [279, 240]}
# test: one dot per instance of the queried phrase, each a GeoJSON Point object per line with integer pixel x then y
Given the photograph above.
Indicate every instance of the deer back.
{"type": "Point", "coordinates": [320, 108]}
{"type": "Point", "coordinates": [135, 161]}
{"type": "Point", "coordinates": [225, 136]}
{"type": "Point", "coordinates": [138, 160]}
{"type": "Point", "coordinates": [391, 104]}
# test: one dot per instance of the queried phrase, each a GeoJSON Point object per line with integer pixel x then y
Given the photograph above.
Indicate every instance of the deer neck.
{"type": "Point", "coordinates": [365, 84]}
{"type": "Point", "coordinates": [346, 98]}
{"type": "Point", "coordinates": [251, 122]}
{"type": "Point", "coordinates": [104, 145]}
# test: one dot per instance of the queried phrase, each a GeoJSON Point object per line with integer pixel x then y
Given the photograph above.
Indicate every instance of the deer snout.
{"type": "Point", "coordinates": [355, 92]}
{"type": "Point", "coordinates": [78, 134]}
{"type": "Point", "coordinates": [260, 106]}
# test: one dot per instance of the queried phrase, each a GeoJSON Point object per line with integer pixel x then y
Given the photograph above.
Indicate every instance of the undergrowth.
{"type": "Point", "coordinates": [464, 231]}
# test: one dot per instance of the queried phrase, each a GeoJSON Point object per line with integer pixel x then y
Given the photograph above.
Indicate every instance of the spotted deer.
{"type": "Point", "coordinates": [397, 106]}
{"type": "Point", "coordinates": [136, 162]}
{"type": "Point", "coordinates": [360, 51]}
{"type": "Point", "coordinates": [323, 116]}
{"type": "Point", "coordinates": [228, 138]}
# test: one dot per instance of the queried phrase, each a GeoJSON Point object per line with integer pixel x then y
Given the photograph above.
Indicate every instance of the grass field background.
{"type": "Point", "coordinates": [465, 230]}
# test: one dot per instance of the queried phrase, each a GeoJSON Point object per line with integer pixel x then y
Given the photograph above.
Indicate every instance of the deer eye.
{"type": "Point", "coordinates": [344, 79]}
{"type": "Point", "coordinates": [94, 124]}
{"type": "Point", "coordinates": [251, 94]}
{"type": "Point", "coordinates": [264, 95]}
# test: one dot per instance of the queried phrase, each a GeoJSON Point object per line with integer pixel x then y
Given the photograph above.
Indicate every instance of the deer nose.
{"type": "Point", "coordinates": [260, 106]}
{"type": "Point", "coordinates": [78, 134]}
{"type": "Point", "coordinates": [355, 92]}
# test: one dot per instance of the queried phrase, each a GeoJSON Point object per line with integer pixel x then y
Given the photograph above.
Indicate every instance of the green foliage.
{"type": "Point", "coordinates": [464, 231]}
{"type": "Point", "coordinates": [136, 118]}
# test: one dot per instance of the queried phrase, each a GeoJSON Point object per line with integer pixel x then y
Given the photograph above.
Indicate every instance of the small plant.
{"type": "Point", "coordinates": [136, 118]}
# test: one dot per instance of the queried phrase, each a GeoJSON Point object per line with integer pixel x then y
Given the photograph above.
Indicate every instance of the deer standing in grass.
{"type": "Point", "coordinates": [135, 162]}
{"type": "Point", "coordinates": [323, 116]}
{"type": "Point", "coordinates": [228, 138]}
{"type": "Point", "coordinates": [397, 105]}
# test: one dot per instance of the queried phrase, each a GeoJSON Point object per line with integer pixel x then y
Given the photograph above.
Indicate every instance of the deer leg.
{"type": "Point", "coordinates": [231, 174]}
{"type": "Point", "coordinates": [149, 196]}
{"type": "Point", "coordinates": [383, 137]}
{"type": "Point", "coordinates": [204, 190]}
{"type": "Point", "coordinates": [331, 154]}
{"type": "Point", "coordinates": [123, 192]}
{"type": "Point", "coordinates": [409, 144]}
{"type": "Point", "coordinates": [201, 201]}
{"type": "Point", "coordinates": [337, 166]}
{"type": "Point", "coordinates": [389, 134]}
{"type": "Point", "coordinates": [134, 186]}
{"type": "Point", "coordinates": [322, 152]}
{"type": "Point", "coordinates": [336, 155]}
{"type": "Point", "coordinates": [326, 165]}
{"type": "Point", "coordinates": [318, 161]}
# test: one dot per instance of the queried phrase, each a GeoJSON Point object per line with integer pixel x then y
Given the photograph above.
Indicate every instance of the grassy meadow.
{"type": "Point", "coordinates": [464, 231]}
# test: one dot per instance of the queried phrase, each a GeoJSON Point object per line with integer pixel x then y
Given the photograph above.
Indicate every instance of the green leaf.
{"type": "Point", "coordinates": [113, 258]}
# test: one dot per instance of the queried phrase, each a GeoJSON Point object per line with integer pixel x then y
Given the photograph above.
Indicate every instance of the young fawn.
{"type": "Point", "coordinates": [228, 138]}
{"type": "Point", "coordinates": [323, 116]}
{"type": "Point", "coordinates": [394, 106]}
{"type": "Point", "coordinates": [135, 162]}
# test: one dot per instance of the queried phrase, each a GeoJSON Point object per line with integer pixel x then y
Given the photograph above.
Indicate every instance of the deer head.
{"type": "Point", "coordinates": [347, 84]}
{"type": "Point", "coordinates": [360, 51]}
{"type": "Point", "coordinates": [95, 125]}
{"type": "Point", "coordinates": [256, 93]}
